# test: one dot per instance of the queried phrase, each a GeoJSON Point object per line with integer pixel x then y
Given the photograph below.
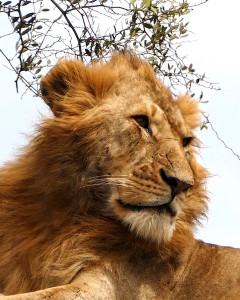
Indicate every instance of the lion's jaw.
{"type": "Point", "coordinates": [148, 216]}
{"type": "Point", "coordinates": [156, 224]}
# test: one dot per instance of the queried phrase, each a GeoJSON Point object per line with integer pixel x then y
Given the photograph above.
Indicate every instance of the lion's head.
{"type": "Point", "coordinates": [126, 144]}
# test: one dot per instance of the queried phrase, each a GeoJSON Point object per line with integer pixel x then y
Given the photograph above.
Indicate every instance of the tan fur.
{"type": "Point", "coordinates": [72, 221]}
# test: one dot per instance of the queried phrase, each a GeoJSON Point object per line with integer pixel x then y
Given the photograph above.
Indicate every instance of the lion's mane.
{"type": "Point", "coordinates": [55, 218]}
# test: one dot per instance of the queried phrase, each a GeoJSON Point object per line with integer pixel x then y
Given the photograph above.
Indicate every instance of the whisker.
{"type": "Point", "coordinates": [121, 180]}
{"type": "Point", "coordinates": [108, 176]}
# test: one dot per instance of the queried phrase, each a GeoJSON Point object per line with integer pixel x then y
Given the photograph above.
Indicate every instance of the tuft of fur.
{"type": "Point", "coordinates": [59, 206]}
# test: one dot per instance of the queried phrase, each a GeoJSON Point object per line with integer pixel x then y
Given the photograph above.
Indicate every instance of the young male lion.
{"type": "Point", "coordinates": [103, 202]}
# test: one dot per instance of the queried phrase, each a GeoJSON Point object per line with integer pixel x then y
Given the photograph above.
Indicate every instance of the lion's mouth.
{"type": "Point", "coordinates": [159, 208]}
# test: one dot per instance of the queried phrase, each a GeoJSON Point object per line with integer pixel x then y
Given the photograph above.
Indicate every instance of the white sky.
{"type": "Point", "coordinates": [215, 50]}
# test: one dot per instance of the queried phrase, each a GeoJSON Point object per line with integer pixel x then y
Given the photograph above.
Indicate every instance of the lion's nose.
{"type": "Point", "coordinates": [177, 185]}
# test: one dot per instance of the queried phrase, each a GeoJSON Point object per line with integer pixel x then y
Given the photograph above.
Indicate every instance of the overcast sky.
{"type": "Point", "coordinates": [215, 50]}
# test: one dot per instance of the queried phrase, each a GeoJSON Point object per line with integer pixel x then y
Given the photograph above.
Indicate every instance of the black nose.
{"type": "Point", "coordinates": [177, 185]}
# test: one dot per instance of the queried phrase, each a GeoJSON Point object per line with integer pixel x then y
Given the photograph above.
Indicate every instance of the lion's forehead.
{"type": "Point", "coordinates": [129, 99]}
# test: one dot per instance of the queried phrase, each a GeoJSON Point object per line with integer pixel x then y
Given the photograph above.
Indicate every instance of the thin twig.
{"type": "Point", "coordinates": [64, 13]}
{"type": "Point", "coordinates": [29, 85]}
{"type": "Point", "coordinates": [218, 137]}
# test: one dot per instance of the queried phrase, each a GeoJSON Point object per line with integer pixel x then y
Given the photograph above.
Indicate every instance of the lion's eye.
{"type": "Point", "coordinates": [143, 121]}
{"type": "Point", "coordinates": [186, 141]}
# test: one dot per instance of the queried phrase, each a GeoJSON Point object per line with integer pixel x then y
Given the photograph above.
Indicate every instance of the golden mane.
{"type": "Point", "coordinates": [106, 197]}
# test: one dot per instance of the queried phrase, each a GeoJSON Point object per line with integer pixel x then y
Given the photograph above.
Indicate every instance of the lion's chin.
{"type": "Point", "coordinates": [151, 226]}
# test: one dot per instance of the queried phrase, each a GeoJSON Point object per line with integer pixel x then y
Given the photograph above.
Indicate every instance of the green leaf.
{"type": "Point", "coordinates": [133, 33]}
{"type": "Point", "coordinates": [58, 18]}
{"type": "Point", "coordinates": [143, 37]}
{"type": "Point", "coordinates": [14, 19]}
{"type": "Point", "coordinates": [32, 20]}
{"type": "Point", "coordinates": [170, 67]}
{"type": "Point", "coordinates": [29, 60]}
{"type": "Point", "coordinates": [26, 3]}
{"type": "Point", "coordinates": [7, 2]}
{"type": "Point", "coordinates": [146, 44]}
{"type": "Point", "coordinates": [38, 70]}
{"type": "Point", "coordinates": [17, 45]}
{"type": "Point", "coordinates": [154, 10]}
{"type": "Point", "coordinates": [24, 49]}
{"type": "Point", "coordinates": [122, 36]}
{"type": "Point", "coordinates": [17, 26]}
{"type": "Point", "coordinates": [204, 126]}
{"type": "Point", "coordinates": [145, 3]}
{"type": "Point", "coordinates": [190, 68]}
{"type": "Point", "coordinates": [26, 41]}
{"type": "Point", "coordinates": [173, 37]}
{"type": "Point", "coordinates": [28, 15]}
{"type": "Point", "coordinates": [147, 25]}
{"type": "Point", "coordinates": [26, 30]}
{"type": "Point", "coordinates": [183, 31]}
{"type": "Point", "coordinates": [34, 44]}
{"type": "Point", "coordinates": [153, 60]}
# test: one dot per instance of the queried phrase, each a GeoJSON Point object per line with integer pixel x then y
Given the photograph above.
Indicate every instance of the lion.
{"type": "Point", "coordinates": [104, 201]}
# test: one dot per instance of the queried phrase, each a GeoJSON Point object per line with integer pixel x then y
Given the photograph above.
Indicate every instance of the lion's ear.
{"type": "Point", "coordinates": [60, 79]}
{"type": "Point", "coordinates": [71, 80]}
{"type": "Point", "coordinates": [190, 111]}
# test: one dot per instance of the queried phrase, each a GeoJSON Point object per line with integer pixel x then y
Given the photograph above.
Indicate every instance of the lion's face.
{"type": "Point", "coordinates": [137, 145]}
{"type": "Point", "coordinates": [145, 163]}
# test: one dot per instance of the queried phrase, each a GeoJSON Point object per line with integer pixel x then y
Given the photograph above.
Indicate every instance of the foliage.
{"type": "Point", "coordinates": [89, 29]}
